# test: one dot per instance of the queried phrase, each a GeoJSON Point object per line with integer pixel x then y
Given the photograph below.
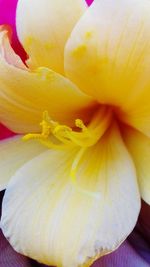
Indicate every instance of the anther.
{"type": "Point", "coordinates": [79, 123]}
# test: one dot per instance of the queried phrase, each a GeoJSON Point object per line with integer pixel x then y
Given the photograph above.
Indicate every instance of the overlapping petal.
{"type": "Point", "coordinates": [108, 57]}
{"type": "Point", "coordinates": [71, 227]}
{"type": "Point", "coordinates": [25, 95]}
{"type": "Point", "coordinates": [8, 16]}
{"type": "Point", "coordinates": [13, 154]}
{"type": "Point", "coordinates": [43, 28]}
{"type": "Point", "coordinates": [139, 147]}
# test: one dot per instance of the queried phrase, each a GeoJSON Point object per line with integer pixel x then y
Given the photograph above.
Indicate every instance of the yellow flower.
{"type": "Point", "coordinates": [76, 182]}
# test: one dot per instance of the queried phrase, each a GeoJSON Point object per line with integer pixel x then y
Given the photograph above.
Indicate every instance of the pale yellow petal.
{"type": "Point", "coordinates": [43, 28]}
{"type": "Point", "coordinates": [14, 152]}
{"type": "Point", "coordinates": [108, 57]}
{"type": "Point", "coordinates": [25, 95]}
{"type": "Point", "coordinates": [48, 218]}
{"type": "Point", "coordinates": [6, 50]}
{"type": "Point", "coordinates": [139, 147]}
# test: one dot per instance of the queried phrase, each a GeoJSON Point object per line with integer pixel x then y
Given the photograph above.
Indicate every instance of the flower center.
{"type": "Point", "coordinates": [57, 136]}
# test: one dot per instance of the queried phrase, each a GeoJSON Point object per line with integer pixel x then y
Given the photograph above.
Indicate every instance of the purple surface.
{"type": "Point", "coordinates": [9, 258]}
{"type": "Point", "coordinates": [125, 256]}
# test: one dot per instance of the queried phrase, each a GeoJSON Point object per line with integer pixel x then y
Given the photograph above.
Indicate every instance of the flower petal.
{"type": "Point", "coordinates": [25, 95]}
{"type": "Point", "coordinates": [43, 28]}
{"type": "Point", "coordinates": [14, 152]}
{"type": "Point", "coordinates": [139, 147]}
{"type": "Point", "coordinates": [111, 46]}
{"type": "Point", "coordinates": [47, 218]}
{"type": "Point", "coordinates": [8, 16]}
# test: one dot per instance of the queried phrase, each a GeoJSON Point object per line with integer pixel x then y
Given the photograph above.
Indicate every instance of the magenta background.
{"type": "Point", "coordinates": [89, 2]}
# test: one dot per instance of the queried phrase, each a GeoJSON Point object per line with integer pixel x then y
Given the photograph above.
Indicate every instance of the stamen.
{"type": "Point", "coordinates": [64, 135]}
{"type": "Point", "coordinates": [91, 134]}
{"type": "Point", "coordinates": [44, 137]}
{"type": "Point", "coordinates": [54, 135]}
{"type": "Point", "coordinates": [79, 123]}
{"type": "Point", "coordinates": [45, 129]}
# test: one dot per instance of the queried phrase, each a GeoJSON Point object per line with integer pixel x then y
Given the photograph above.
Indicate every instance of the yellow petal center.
{"type": "Point", "coordinates": [55, 135]}
{"type": "Point", "coordinates": [82, 136]}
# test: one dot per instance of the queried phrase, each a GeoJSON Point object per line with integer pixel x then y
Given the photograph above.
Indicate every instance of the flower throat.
{"type": "Point", "coordinates": [57, 136]}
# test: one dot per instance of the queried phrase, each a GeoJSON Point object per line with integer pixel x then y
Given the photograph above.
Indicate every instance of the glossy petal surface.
{"type": "Point", "coordinates": [43, 28]}
{"type": "Point", "coordinates": [14, 152]}
{"type": "Point", "coordinates": [108, 57]}
{"type": "Point", "coordinates": [72, 227]}
{"type": "Point", "coordinates": [139, 147]}
{"type": "Point", "coordinates": [25, 95]}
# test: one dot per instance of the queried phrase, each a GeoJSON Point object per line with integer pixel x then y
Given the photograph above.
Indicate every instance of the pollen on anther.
{"type": "Point", "coordinates": [79, 123]}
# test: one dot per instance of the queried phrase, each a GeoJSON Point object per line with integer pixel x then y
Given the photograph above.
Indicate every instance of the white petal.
{"type": "Point", "coordinates": [139, 147]}
{"type": "Point", "coordinates": [14, 152]}
{"type": "Point", "coordinates": [108, 57]}
{"type": "Point", "coordinates": [43, 28]}
{"type": "Point", "coordinates": [25, 95]}
{"type": "Point", "coordinates": [47, 218]}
